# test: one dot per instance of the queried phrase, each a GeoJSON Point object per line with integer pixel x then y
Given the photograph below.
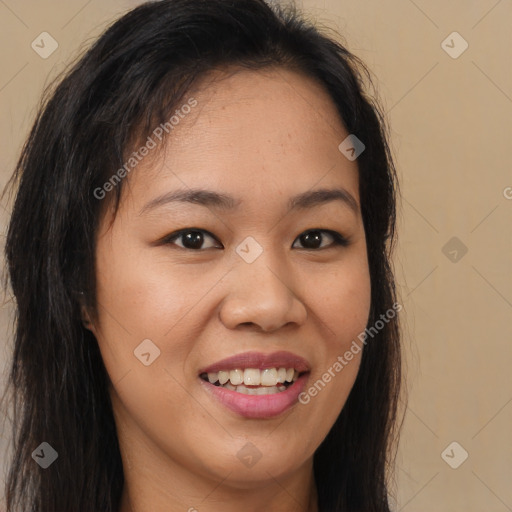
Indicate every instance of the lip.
{"type": "Point", "coordinates": [257, 406]}
{"type": "Point", "coordinates": [280, 359]}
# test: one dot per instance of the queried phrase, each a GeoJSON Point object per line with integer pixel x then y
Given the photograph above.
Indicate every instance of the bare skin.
{"type": "Point", "coordinates": [261, 137]}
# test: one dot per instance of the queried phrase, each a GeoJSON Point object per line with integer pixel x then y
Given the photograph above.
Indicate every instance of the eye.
{"type": "Point", "coordinates": [313, 238]}
{"type": "Point", "coordinates": [192, 238]}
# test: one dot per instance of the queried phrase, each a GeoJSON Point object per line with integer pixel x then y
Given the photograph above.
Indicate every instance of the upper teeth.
{"type": "Point", "coordinates": [254, 376]}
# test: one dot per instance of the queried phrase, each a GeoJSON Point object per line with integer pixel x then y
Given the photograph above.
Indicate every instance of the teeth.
{"type": "Point", "coordinates": [269, 377]}
{"type": "Point", "coordinates": [223, 377]}
{"type": "Point", "coordinates": [236, 377]}
{"type": "Point", "coordinates": [270, 390]}
{"type": "Point", "coordinates": [252, 377]}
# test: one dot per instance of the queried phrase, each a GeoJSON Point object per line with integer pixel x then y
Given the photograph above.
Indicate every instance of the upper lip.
{"type": "Point", "coordinates": [281, 359]}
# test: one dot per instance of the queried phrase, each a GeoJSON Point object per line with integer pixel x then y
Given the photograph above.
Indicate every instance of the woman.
{"type": "Point", "coordinates": [199, 251]}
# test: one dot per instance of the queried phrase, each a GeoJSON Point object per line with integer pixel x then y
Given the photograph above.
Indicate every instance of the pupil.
{"type": "Point", "coordinates": [312, 236]}
{"type": "Point", "coordinates": [193, 240]}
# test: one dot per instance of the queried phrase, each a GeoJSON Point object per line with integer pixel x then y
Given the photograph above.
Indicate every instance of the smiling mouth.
{"type": "Point", "coordinates": [253, 381]}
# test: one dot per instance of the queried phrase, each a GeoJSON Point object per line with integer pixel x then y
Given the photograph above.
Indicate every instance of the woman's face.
{"type": "Point", "coordinates": [244, 277]}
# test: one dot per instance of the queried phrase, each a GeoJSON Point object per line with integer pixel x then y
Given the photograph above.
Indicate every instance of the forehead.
{"type": "Point", "coordinates": [253, 135]}
{"type": "Point", "coordinates": [258, 107]}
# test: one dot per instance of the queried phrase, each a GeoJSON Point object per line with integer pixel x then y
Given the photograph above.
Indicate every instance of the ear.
{"type": "Point", "coordinates": [84, 314]}
{"type": "Point", "coordinates": [86, 321]}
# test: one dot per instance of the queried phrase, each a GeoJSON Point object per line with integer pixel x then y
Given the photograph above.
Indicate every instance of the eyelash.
{"type": "Point", "coordinates": [338, 239]}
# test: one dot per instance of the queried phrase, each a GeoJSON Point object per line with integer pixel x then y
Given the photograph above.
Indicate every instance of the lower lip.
{"type": "Point", "coordinates": [258, 406]}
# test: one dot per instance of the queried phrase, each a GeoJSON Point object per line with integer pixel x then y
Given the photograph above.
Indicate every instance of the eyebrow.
{"type": "Point", "coordinates": [210, 198]}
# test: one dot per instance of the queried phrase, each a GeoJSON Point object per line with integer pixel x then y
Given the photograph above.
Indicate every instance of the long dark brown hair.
{"type": "Point", "coordinates": [131, 79]}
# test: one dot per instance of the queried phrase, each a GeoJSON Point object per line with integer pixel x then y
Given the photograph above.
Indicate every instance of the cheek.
{"type": "Point", "coordinates": [341, 298]}
{"type": "Point", "coordinates": [341, 302]}
{"type": "Point", "coordinates": [138, 304]}
{"type": "Point", "coordinates": [146, 297]}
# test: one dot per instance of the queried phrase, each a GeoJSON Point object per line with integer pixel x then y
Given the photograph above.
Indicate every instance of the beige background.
{"type": "Point", "coordinates": [451, 121]}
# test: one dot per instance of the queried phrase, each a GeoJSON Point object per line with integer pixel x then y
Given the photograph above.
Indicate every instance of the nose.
{"type": "Point", "coordinates": [261, 295]}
